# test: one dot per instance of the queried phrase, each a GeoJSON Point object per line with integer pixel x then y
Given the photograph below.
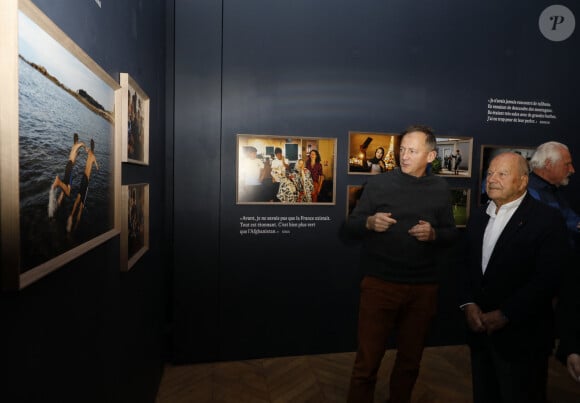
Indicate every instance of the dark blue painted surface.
{"type": "Point", "coordinates": [320, 69]}
{"type": "Point", "coordinates": [301, 68]}
{"type": "Point", "coordinates": [197, 180]}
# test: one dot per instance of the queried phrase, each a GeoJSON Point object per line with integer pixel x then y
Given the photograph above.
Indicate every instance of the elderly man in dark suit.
{"type": "Point", "coordinates": [516, 250]}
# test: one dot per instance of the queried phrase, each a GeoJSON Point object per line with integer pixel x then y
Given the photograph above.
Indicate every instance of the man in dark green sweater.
{"type": "Point", "coordinates": [404, 217]}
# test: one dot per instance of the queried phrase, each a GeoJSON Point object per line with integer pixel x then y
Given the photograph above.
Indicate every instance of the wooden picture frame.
{"type": "Point", "coordinates": [448, 150]}
{"type": "Point", "coordinates": [135, 121]}
{"type": "Point", "coordinates": [488, 152]}
{"type": "Point", "coordinates": [258, 180]}
{"type": "Point", "coordinates": [365, 156]}
{"type": "Point", "coordinates": [461, 202]}
{"type": "Point", "coordinates": [135, 225]}
{"type": "Point", "coordinates": [51, 90]}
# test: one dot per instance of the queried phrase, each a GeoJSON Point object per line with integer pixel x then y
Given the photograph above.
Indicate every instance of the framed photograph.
{"type": "Point", "coordinates": [460, 200]}
{"type": "Point", "coordinates": [135, 122]}
{"type": "Point", "coordinates": [353, 193]}
{"type": "Point", "coordinates": [60, 148]}
{"type": "Point", "coordinates": [282, 169]}
{"type": "Point", "coordinates": [488, 152]}
{"type": "Point", "coordinates": [454, 156]}
{"type": "Point", "coordinates": [370, 153]}
{"type": "Point", "coordinates": [135, 226]}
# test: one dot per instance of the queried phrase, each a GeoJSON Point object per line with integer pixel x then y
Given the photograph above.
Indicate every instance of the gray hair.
{"type": "Point", "coordinates": [550, 151]}
{"type": "Point", "coordinates": [523, 166]}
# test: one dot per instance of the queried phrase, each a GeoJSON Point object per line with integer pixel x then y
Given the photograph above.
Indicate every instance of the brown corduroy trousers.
{"type": "Point", "coordinates": [385, 307]}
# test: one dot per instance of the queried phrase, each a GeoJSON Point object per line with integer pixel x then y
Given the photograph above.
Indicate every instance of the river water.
{"type": "Point", "coordinates": [48, 118]}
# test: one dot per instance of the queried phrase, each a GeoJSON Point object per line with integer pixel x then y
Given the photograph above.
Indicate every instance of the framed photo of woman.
{"type": "Point", "coordinates": [372, 153]}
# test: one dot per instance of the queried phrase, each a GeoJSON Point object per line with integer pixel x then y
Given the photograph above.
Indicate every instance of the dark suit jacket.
{"type": "Point", "coordinates": [521, 278]}
{"type": "Point", "coordinates": [568, 314]}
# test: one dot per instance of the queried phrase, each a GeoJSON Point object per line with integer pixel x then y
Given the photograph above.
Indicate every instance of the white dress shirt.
{"type": "Point", "coordinates": [495, 226]}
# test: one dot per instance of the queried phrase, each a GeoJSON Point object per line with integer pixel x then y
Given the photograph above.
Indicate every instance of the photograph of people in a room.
{"type": "Point", "coordinates": [67, 147]}
{"type": "Point", "coordinates": [284, 169]}
{"type": "Point", "coordinates": [453, 157]}
{"type": "Point", "coordinates": [460, 198]}
{"type": "Point", "coordinates": [135, 229]}
{"type": "Point", "coordinates": [488, 152]}
{"type": "Point", "coordinates": [372, 153]}
{"type": "Point", "coordinates": [135, 121]}
{"type": "Point", "coordinates": [137, 213]}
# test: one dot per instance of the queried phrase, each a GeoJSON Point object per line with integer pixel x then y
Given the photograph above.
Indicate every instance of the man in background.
{"type": "Point", "coordinates": [552, 167]}
{"type": "Point", "coordinates": [568, 322]}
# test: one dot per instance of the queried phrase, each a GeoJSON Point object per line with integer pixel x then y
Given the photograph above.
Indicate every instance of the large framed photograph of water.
{"type": "Point", "coordinates": [134, 121]}
{"type": "Point", "coordinates": [60, 148]}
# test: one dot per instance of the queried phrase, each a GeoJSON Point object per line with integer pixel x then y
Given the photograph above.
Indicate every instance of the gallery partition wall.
{"type": "Point", "coordinates": [84, 284]}
{"type": "Point", "coordinates": [261, 278]}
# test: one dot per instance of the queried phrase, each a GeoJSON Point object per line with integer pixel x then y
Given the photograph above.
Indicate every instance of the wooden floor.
{"type": "Point", "coordinates": [445, 378]}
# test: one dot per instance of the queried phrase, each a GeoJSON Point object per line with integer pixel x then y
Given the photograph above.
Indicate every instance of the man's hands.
{"type": "Point", "coordinates": [573, 364]}
{"type": "Point", "coordinates": [423, 231]}
{"type": "Point", "coordinates": [473, 318]}
{"type": "Point", "coordinates": [380, 222]}
{"type": "Point", "coordinates": [480, 322]}
{"type": "Point", "coordinates": [493, 320]}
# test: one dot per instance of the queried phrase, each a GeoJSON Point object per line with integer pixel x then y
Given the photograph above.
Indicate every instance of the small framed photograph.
{"type": "Point", "coordinates": [488, 152]}
{"type": "Point", "coordinates": [135, 121]}
{"type": "Point", "coordinates": [454, 156]}
{"type": "Point", "coordinates": [460, 201]}
{"type": "Point", "coordinates": [135, 226]}
{"type": "Point", "coordinates": [371, 153]}
{"type": "Point", "coordinates": [60, 176]}
{"type": "Point", "coordinates": [282, 169]}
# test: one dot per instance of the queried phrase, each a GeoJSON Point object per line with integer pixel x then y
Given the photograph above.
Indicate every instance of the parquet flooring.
{"type": "Point", "coordinates": [445, 377]}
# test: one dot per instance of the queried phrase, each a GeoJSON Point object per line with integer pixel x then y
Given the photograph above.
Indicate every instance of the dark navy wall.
{"type": "Point", "coordinates": [88, 332]}
{"type": "Point", "coordinates": [320, 69]}
{"type": "Point", "coordinates": [197, 177]}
